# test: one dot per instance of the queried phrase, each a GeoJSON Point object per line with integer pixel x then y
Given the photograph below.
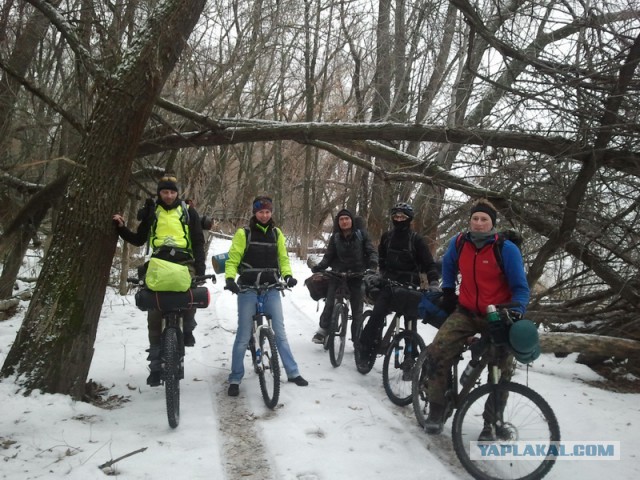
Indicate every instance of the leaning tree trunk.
{"type": "Point", "coordinates": [54, 346]}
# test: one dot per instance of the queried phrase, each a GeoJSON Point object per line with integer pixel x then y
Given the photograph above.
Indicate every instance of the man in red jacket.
{"type": "Point", "coordinates": [483, 282]}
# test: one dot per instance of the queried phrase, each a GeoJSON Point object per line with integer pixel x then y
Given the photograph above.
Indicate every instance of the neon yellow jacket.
{"type": "Point", "coordinates": [239, 247]}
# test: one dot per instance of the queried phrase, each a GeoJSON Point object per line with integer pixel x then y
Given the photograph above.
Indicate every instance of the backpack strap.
{"type": "Point", "coordinates": [497, 247]}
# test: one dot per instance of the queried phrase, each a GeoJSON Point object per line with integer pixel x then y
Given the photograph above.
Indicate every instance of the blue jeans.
{"type": "Point", "coordinates": [246, 311]}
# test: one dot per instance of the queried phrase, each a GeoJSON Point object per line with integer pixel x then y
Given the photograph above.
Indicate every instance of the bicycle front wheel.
{"type": "Point", "coordinates": [171, 373]}
{"type": "Point", "coordinates": [419, 392]}
{"type": "Point", "coordinates": [363, 365]}
{"type": "Point", "coordinates": [518, 414]}
{"type": "Point", "coordinates": [268, 368]}
{"type": "Point", "coordinates": [398, 365]}
{"type": "Point", "coordinates": [338, 334]}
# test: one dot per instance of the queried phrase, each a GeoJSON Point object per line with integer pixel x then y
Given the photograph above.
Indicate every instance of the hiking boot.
{"type": "Point", "coordinates": [299, 381]}
{"type": "Point", "coordinates": [189, 339]}
{"type": "Point", "coordinates": [491, 433]}
{"type": "Point", "coordinates": [154, 379]}
{"type": "Point", "coordinates": [234, 390]}
{"type": "Point", "coordinates": [434, 423]}
{"type": "Point", "coordinates": [407, 368]}
{"type": "Point", "coordinates": [319, 336]}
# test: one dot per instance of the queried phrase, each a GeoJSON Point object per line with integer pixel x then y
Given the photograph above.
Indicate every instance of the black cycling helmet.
{"type": "Point", "coordinates": [403, 207]}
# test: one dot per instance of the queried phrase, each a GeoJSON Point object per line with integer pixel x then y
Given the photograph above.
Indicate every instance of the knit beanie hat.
{"type": "Point", "coordinates": [168, 182]}
{"type": "Point", "coordinates": [344, 213]}
{"type": "Point", "coordinates": [487, 208]}
{"type": "Point", "coordinates": [262, 203]}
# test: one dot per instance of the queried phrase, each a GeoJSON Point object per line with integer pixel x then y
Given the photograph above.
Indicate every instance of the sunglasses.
{"type": "Point", "coordinates": [399, 216]}
{"type": "Point", "coordinates": [168, 179]}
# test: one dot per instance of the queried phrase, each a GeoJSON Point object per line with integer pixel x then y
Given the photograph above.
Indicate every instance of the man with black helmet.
{"type": "Point", "coordinates": [174, 232]}
{"type": "Point", "coordinates": [402, 256]}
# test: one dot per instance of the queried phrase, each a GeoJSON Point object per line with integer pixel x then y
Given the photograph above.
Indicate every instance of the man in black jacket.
{"type": "Point", "coordinates": [174, 232]}
{"type": "Point", "coordinates": [403, 256]}
{"type": "Point", "coordinates": [349, 250]}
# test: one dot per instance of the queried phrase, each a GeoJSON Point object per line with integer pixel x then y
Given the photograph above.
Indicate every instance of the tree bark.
{"type": "Point", "coordinates": [54, 346]}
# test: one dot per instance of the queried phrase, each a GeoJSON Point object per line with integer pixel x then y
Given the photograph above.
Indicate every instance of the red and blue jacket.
{"type": "Point", "coordinates": [482, 281]}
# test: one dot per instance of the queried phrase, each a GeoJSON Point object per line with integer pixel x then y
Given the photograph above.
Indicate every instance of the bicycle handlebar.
{"type": "Point", "coordinates": [197, 279]}
{"type": "Point", "coordinates": [347, 274]}
{"type": "Point", "coordinates": [262, 287]}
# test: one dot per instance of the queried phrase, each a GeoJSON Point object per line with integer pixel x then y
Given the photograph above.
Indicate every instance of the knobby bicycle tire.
{"type": "Point", "coordinates": [360, 365]}
{"type": "Point", "coordinates": [338, 334]}
{"type": "Point", "coordinates": [269, 368]}
{"type": "Point", "coordinates": [526, 417]}
{"type": "Point", "coordinates": [171, 357]}
{"type": "Point", "coordinates": [399, 359]}
{"type": "Point", "coordinates": [419, 393]}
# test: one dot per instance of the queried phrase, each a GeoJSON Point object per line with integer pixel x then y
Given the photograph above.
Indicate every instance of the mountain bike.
{"type": "Point", "coordinates": [262, 345]}
{"type": "Point", "coordinates": [172, 305]}
{"type": "Point", "coordinates": [400, 347]}
{"type": "Point", "coordinates": [336, 337]}
{"type": "Point", "coordinates": [515, 412]}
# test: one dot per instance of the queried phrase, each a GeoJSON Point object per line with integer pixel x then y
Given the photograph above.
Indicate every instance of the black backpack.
{"type": "Point", "coordinates": [511, 235]}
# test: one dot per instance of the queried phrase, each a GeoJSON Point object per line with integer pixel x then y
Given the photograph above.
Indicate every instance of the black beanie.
{"type": "Point", "coordinates": [485, 208]}
{"type": "Point", "coordinates": [344, 213]}
{"type": "Point", "coordinates": [168, 182]}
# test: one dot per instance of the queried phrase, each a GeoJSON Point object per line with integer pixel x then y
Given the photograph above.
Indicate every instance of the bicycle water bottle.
{"type": "Point", "coordinates": [258, 354]}
{"type": "Point", "coordinates": [492, 314]}
{"type": "Point", "coordinates": [469, 372]}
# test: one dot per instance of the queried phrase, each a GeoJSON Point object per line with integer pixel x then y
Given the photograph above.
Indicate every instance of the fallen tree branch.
{"type": "Point", "coordinates": [560, 342]}
{"type": "Point", "coordinates": [111, 462]}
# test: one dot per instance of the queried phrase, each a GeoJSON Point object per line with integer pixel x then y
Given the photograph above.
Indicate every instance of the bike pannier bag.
{"type": "Point", "coordinates": [218, 261]}
{"type": "Point", "coordinates": [163, 276]}
{"type": "Point", "coordinates": [170, 301]}
{"type": "Point", "coordinates": [318, 284]}
{"type": "Point", "coordinates": [405, 301]}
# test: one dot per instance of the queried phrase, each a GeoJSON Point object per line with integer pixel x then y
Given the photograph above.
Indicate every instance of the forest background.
{"type": "Point", "coordinates": [321, 104]}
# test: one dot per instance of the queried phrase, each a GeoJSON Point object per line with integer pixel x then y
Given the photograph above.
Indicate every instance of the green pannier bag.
{"type": "Point", "coordinates": [163, 276]}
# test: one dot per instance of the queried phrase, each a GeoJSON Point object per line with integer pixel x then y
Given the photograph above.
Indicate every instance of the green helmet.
{"type": "Point", "coordinates": [524, 341]}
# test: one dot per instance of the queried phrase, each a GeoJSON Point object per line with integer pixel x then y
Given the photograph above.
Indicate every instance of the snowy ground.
{"type": "Point", "coordinates": [342, 426]}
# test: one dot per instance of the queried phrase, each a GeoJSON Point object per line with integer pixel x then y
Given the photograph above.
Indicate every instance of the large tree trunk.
{"type": "Point", "coordinates": [599, 345]}
{"type": "Point", "coordinates": [54, 346]}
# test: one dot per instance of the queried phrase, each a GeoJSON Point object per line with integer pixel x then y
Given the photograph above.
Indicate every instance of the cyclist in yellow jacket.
{"type": "Point", "coordinates": [174, 232]}
{"type": "Point", "coordinates": [260, 245]}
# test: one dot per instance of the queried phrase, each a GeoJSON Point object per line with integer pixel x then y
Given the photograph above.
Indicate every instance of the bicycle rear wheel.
{"type": "Point", "coordinates": [171, 373]}
{"type": "Point", "coordinates": [521, 415]}
{"type": "Point", "coordinates": [363, 365]}
{"type": "Point", "coordinates": [398, 364]}
{"type": "Point", "coordinates": [268, 368]}
{"type": "Point", "coordinates": [338, 334]}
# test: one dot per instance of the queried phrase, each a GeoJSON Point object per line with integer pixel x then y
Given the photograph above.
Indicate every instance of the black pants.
{"type": "Point", "coordinates": [154, 324]}
{"type": "Point", "coordinates": [372, 332]}
{"type": "Point", "coordinates": [355, 299]}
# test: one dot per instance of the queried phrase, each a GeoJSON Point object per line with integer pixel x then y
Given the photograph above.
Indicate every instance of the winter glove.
{"type": "Point", "coordinates": [449, 300]}
{"type": "Point", "coordinates": [291, 282]}
{"type": "Point", "coordinates": [316, 269]}
{"type": "Point", "coordinates": [434, 287]}
{"type": "Point", "coordinates": [499, 331]}
{"type": "Point", "coordinates": [232, 286]}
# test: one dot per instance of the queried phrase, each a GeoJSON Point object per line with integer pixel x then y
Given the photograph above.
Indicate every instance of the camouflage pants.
{"type": "Point", "coordinates": [446, 348]}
